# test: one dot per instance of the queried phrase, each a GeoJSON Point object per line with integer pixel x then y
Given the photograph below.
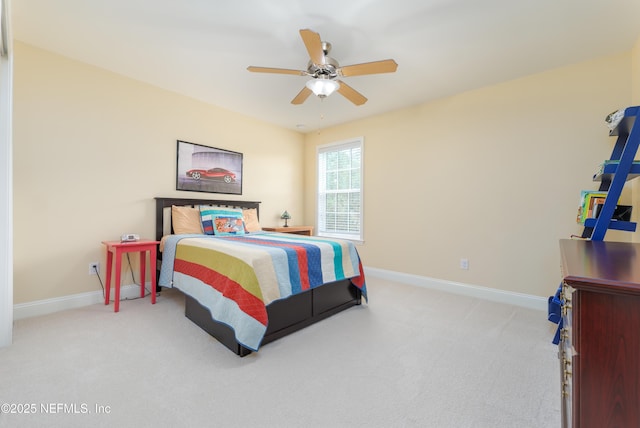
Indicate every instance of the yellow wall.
{"type": "Point", "coordinates": [635, 72]}
{"type": "Point", "coordinates": [635, 84]}
{"type": "Point", "coordinates": [493, 175]}
{"type": "Point", "coordinates": [91, 151]}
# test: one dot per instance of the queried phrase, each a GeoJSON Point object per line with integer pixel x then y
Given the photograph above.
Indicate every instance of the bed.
{"type": "Point", "coordinates": [247, 289]}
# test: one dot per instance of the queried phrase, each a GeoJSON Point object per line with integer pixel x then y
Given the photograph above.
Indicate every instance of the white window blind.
{"type": "Point", "coordinates": [340, 190]}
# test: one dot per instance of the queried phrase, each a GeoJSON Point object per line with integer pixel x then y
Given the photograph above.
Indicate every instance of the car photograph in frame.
{"type": "Point", "coordinates": [208, 169]}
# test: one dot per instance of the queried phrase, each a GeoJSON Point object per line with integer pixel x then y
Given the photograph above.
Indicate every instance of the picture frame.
{"type": "Point", "coordinates": [202, 168]}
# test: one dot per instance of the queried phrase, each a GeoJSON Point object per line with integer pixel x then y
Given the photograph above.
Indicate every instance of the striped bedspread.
{"type": "Point", "coordinates": [235, 277]}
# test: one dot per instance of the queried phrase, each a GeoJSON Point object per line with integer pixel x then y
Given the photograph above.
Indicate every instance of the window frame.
{"type": "Point", "coordinates": [356, 142]}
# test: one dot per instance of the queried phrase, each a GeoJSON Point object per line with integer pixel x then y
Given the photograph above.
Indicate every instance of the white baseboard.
{"type": "Point", "coordinates": [510, 297]}
{"type": "Point", "coordinates": [49, 306]}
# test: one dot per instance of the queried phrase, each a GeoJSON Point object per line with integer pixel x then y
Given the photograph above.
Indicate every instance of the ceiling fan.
{"type": "Point", "coordinates": [325, 71]}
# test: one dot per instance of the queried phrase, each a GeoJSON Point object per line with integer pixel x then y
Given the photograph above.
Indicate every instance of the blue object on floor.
{"type": "Point", "coordinates": [554, 313]}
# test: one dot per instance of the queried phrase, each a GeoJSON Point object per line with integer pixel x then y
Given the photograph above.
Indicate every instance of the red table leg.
{"type": "Point", "coordinates": [143, 270]}
{"type": "Point", "coordinates": [118, 256]}
{"type": "Point", "coordinates": [107, 290]}
{"type": "Point", "coordinates": [152, 255]}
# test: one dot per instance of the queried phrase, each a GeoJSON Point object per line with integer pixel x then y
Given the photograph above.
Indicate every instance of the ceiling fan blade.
{"type": "Point", "coordinates": [313, 44]}
{"type": "Point", "coordinates": [351, 94]}
{"type": "Point", "coordinates": [384, 66]}
{"type": "Point", "coordinates": [276, 70]}
{"type": "Point", "coordinates": [302, 96]}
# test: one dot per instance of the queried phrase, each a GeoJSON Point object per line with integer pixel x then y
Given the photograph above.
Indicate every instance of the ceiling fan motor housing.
{"type": "Point", "coordinates": [328, 68]}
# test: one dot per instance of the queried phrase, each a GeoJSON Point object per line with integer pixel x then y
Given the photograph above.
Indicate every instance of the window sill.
{"type": "Point", "coordinates": [358, 241]}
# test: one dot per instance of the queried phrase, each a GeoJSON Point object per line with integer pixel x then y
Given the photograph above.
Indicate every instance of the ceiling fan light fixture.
{"type": "Point", "coordinates": [322, 87]}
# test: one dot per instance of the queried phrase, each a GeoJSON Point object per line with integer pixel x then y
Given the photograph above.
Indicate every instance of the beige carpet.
{"type": "Point", "coordinates": [412, 357]}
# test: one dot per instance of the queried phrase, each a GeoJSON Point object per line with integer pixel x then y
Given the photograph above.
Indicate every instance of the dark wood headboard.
{"type": "Point", "coordinates": [162, 203]}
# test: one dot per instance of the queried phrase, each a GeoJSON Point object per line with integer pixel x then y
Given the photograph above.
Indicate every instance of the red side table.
{"type": "Point", "coordinates": [118, 248]}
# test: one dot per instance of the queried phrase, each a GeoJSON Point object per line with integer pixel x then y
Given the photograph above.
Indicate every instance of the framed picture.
{"type": "Point", "coordinates": [207, 169]}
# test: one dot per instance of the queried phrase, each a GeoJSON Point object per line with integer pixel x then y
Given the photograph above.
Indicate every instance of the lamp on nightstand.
{"type": "Point", "coordinates": [285, 216]}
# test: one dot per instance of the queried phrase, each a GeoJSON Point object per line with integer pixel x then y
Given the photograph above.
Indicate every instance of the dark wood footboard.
{"type": "Point", "coordinates": [285, 316]}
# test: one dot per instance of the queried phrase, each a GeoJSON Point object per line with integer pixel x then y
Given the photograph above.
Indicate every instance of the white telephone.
{"type": "Point", "coordinates": [129, 237]}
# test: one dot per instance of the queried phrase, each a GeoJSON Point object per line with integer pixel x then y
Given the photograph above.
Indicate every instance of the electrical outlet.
{"type": "Point", "coordinates": [464, 264]}
{"type": "Point", "coordinates": [94, 268]}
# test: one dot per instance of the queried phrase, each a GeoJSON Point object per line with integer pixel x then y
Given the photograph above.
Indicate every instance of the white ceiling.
{"type": "Point", "coordinates": [201, 48]}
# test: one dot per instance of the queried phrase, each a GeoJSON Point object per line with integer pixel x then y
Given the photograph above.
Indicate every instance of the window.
{"type": "Point", "coordinates": [340, 190]}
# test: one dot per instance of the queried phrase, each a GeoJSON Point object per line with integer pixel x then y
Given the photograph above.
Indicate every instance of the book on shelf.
{"type": "Point", "coordinates": [588, 201]}
{"type": "Point", "coordinates": [592, 212]}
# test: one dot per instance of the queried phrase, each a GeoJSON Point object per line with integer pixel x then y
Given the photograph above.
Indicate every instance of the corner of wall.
{"type": "Point", "coordinates": [635, 100]}
{"type": "Point", "coordinates": [6, 187]}
{"type": "Point", "coordinates": [635, 73]}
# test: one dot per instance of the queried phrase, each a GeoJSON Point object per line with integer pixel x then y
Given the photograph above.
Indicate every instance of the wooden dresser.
{"type": "Point", "coordinates": [599, 347]}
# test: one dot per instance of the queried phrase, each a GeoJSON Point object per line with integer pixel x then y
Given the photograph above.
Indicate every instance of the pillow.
{"type": "Point", "coordinates": [209, 213]}
{"type": "Point", "coordinates": [228, 225]}
{"type": "Point", "coordinates": [185, 220]}
{"type": "Point", "coordinates": [250, 217]}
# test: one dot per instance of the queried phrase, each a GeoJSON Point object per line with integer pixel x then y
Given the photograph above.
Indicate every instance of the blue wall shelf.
{"type": "Point", "coordinates": [613, 175]}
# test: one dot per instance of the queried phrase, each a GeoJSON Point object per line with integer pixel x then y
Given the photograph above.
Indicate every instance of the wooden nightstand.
{"type": "Point", "coordinates": [298, 230]}
{"type": "Point", "coordinates": [118, 248]}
